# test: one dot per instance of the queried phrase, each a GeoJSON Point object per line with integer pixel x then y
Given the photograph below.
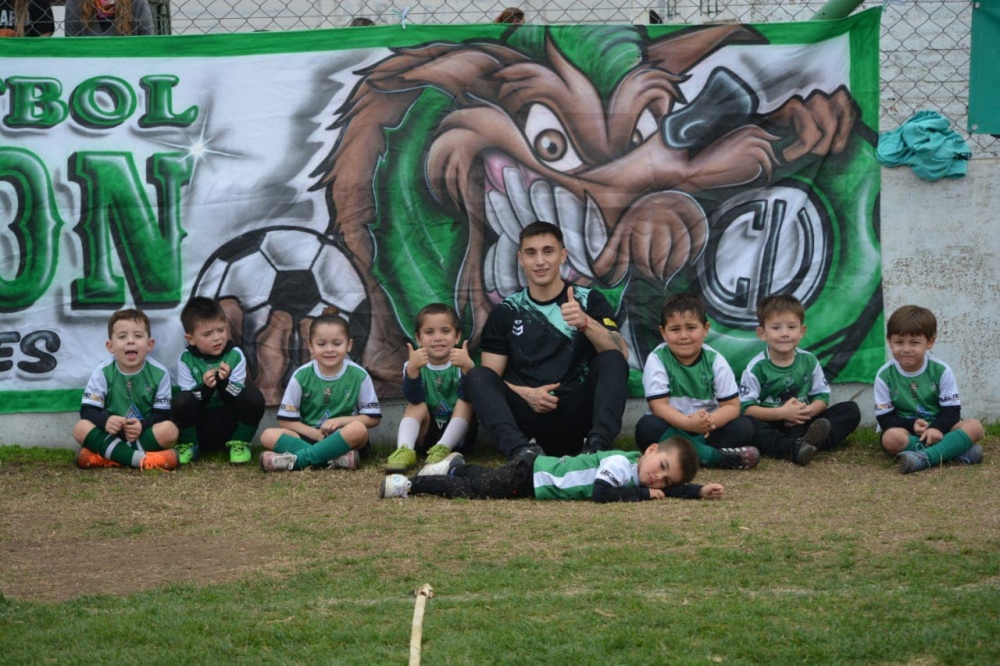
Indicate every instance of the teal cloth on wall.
{"type": "Point", "coordinates": [927, 143]}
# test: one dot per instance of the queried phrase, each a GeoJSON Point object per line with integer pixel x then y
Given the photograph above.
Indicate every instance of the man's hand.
{"type": "Point", "coordinates": [540, 399]}
{"type": "Point", "coordinates": [711, 491]}
{"type": "Point", "coordinates": [573, 314]}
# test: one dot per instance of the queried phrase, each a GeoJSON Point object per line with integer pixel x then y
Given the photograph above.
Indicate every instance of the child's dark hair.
{"type": "Point", "coordinates": [437, 309]}
{"type": "Point", "coordinates": [912, 320]}
{"type": "Point", "coordinates": [776, 304]}
{"type": "Point", "coordinates": [683, 303]}
{"type": "Point", "coordinates": [540, 228]}
{"type": "Point", "coordinates": [687, 456]}
{"type": "Point", "coordinates": [331, 315]}
{"type": "Point", "coordinates": [131, 314]}
{"type": "Point", "coordinates": [199, 310]}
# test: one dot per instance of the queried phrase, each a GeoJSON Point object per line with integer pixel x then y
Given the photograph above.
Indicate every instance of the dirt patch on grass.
{"type": "Point", "coordinates": [68, 532]}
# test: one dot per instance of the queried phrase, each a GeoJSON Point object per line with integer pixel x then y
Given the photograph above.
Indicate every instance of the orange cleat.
{"type": "Point", "coordinates": [87, 459]}
{"type": "Point", "coordinates": [166, 460]}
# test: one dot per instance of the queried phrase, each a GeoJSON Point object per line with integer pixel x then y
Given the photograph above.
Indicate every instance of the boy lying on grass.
{"type": "Point", "coordinates": [664, 469]}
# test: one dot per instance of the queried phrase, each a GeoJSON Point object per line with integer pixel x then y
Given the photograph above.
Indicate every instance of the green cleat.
{"type": "Point", "coordinates": [239, 452]}
{"type": "Point", "coordinates": [401, 460]}
{"type": "Point", "coordinates": [186, 453]}
{"type": "Point", "coordinates": [436, 454]}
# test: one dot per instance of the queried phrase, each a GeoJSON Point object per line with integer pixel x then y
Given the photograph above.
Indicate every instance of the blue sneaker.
{"type": "Point", "coordinates": [972, 456]}
{"type": "Point", "coordinates": [913, 461]}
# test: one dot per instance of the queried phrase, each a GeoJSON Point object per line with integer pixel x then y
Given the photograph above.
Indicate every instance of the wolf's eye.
{"type": "Point", "coordinates": [645, 127]}
{"type": "Point", "coordinates": [549, 139]}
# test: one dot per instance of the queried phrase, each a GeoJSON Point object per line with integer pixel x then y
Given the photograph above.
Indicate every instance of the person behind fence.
{"type": "Point", "coordinates": [328, 406]}
{"type": "Point", "coordinates": [361, 22]}
{"type": "Point", "coordinates": [785, 393]}
{"type": "Point", "coordinates": [514, 15]}
{"type": "Point", "coordinates": [215, 409]}
{"type": "Point", "coordinates": [26, 18]}
{"type": "Point", "coordinates": [663, 469]}
{"type": "Point", "coordinates": [436, 415]}
{"type": "Point", "coordinates": [553, 366]}
{"type": "Point", "coordinates": [108, 18]}
{"type": "Point", "coordinates": [917, 404]}
{"type": "Point", "coordinates": [692, 391]}
{"type": "Point", "coordinates": [125, 415]}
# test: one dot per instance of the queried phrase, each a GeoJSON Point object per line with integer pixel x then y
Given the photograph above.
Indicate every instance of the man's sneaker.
{"type": "Point", "coordinates": [401, 460]}
{"type": "Point", "coordinates": [350, 460]}
{"type": "Point", "coordinates": [529, 451]}
{"type": "Point", "coordinates": [87, 459]}
{"type": "Point", "coordinates": [239, 452]}
{"type": "Point", "coordinates": [187, 453]}
{"type": "Point", "coordinates": [166, 460]}
{"type": "Point", "coordinates": [743, 457]}
{"type": "Point", "coordinates": [595, 444]}
{"type": "Point", "coordinates": [394, 485]}
{"type": "Point", "coordinates": [913, 461]}
{"type": "Point", "coordinates": [271, 461]}
{"type": "Point", "coordinates": [971, 456]}
{"type": "Point", "coordinates": [442, 468]}
{"type": "Point", "coordinates": [436, 454]}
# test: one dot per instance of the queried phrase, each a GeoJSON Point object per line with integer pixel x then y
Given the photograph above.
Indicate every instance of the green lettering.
{"type": "Point", "coordinates": [116, 217]}
{"type": "Point", "coordinates": [36, 227]}
{"type": "Point", "coordinates": [102, 102]}
{"type": "Point", "coordinates": [159, 103]}
{"type": "Point", "coordinates": [34, 102]}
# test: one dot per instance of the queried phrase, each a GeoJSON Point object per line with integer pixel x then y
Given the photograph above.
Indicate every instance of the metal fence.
{"type": "Point", "coordinates": [925, 45]}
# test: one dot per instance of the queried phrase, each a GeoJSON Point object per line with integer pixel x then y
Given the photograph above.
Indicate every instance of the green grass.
{"type": "Point", "coordinates": [842, 562]}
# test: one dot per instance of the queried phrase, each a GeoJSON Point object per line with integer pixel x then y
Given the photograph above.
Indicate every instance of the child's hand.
{"type": "Point", "coordinates": [460, 357]}
{"type": "Point", "coordinates": [132, 429]}
{"type": "Point", "coordinates": [701, 422]}
{"type": "Point", "coordinates": [114, 424]}
{"type": "Point", "coordinates": [931, 436]}
{"type": "Point", "coordinates": [656, 493]}
{"type": "Point", "coordinates": [418, 357]}
{"type": "Point", "coordinates": [208, 379]}
{"type": "Point", "coordinates": [711, 491]}
{"type": "Point", "coordinates": [795, 412]}
{"type": "Point", "coordinates": [222, 372]}
{"type": "Point", "coordinates": [330, 426]}
{"type": "Point", "coordinates": [920, 426]}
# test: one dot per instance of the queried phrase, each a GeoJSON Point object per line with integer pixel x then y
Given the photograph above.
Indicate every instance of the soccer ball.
{"type": "Point", "coordinates": [288, 269]}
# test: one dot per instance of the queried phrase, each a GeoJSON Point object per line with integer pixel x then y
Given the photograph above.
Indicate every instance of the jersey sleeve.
{"type": "Point", "coordinates": [494, 337]}
{"type": "Point", "coordinates": [164, 392]}
{"type": "Point", "coordinates": [725, 380]}
{"type": "Point", "coordinates": [749, 389]}
{"type": "Point", "coordinates": [948, 390]}
{"type": "Point", "coordinates": [291, 401]}
{"type": "Point", "coordinates": [820, 389]}
{"type": "Point", "coordinates": [655, 380]}
{"type": "Point", "coordinates": [368, 399]}
{"type": "Point", "coordinates": [96, 391]}
{"type": "Point", "coordinates": [883, 397]}
{"type": "Point", "coordinates": [615, 481]}
{"type": "Point", "coordinates": [238, 373]}
{"type": "Point", "coordinates": [185, 379]}
{"type": "Point", "coordinates": [413, 389]}
{"type": "Point", "coordinates": [599, 309]}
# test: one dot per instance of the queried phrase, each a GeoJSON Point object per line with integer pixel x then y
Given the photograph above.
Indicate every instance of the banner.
{"type": "Point", "coordinates": [381, 169]}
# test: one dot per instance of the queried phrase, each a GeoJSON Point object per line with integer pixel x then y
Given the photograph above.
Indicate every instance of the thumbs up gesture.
{"type": "Point", "coordinates": [460, 357]}
{"type": "Point", "coordinates": [573, 314]}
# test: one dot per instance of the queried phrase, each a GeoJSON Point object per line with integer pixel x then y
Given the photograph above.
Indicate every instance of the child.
{"type": "Point", "coordinates": [436, 413]}
{"type": "Point", "coordinates": [692, 392]}
{"type": "Point", "coordinates": [664, 469]}
{"type": "Point", "coordinates": [215, 407]}
{"type": "Point", "coordinates": [328, 406]}
{"type": "Point", "coordinates": [784, 391]}
{"type": "Point", "coordinates": [124, 419]}
{"type": "Point", "coordinates": [916, 399]}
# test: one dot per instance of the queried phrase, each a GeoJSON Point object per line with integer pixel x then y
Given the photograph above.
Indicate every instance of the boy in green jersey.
{"type": "Point", "coordinates": [215, 407]}
{"type": "Point", "coordinates": [916, 399]}
{"type": "Point", "coordinates": [664, 469]}
{"type": "Point", "coordinates": [785, 393]}
{"type": "Point", "coordinates": [125, 415]}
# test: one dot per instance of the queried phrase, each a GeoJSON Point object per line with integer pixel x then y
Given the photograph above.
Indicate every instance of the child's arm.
{"type": "Point", "coordinates": [696, 422]}
{"type": "Point", "coordinates": [300, 428]}
{"type": "Point", "coordinates": [793, 411]}
{"type": "Point", "coordinates": [413, 386]}
{"type": "Point", "coordinates": [336, 423]}
{"type": "Point", "coordinates": [727, 411]}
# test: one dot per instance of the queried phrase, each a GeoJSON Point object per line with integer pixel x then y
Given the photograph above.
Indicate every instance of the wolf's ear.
{"type": "Point", "coordinates": [682, 50]}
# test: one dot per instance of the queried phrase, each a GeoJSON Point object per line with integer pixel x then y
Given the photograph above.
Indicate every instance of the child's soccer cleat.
{"type": "Point", "coordinates": [444, 467]}
{"type": "Point", "coordinates": [277, 462]}
{"type": "Point", "coordinates": [87, 459]}
{"type": "Point", "coordinates": [802, 453]}
{"type": "Point", "coordinates": [394, 485]}
{"type": "Point", "coordinates": [350, 460]}
{"type": "Point", "coordinates": [401, 460]}
{"type": "Point", "coordinates": [165, 460]}
{"type": "Point", "coordinates": [913, 461]}
{"type": "Point", "coordinates": [187, 453]}
{"type": "Point", "coordinates": [743, 457]}
{"type": "Point", "coordinates": [239, 452]}
{"type": "Point", "coordinates": [971, 456]}
{"type": "Point", "coordinates": [436, 454]}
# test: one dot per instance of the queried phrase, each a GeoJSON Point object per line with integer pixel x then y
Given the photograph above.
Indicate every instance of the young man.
{"type": "Point", "coordinates": [553, 365]}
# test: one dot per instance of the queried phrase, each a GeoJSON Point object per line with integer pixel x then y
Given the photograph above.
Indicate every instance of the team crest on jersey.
{"type": "Point", "coordinates": [326, 396]}
{"type": "Point", "coordinates": [518, 327]}
{"type": "Point", "coordinates": [133, 412]}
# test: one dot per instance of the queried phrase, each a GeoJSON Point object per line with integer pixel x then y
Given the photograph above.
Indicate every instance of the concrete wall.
{"type": "Point", "coordinates": [940, 249]}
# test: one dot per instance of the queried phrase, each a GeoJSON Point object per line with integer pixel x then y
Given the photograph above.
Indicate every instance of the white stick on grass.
{"type": "Point", "coordinates": [424, 592]}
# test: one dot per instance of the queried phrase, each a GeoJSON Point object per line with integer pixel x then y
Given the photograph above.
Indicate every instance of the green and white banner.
{"type": "Point", "coordinates": [381, 169]}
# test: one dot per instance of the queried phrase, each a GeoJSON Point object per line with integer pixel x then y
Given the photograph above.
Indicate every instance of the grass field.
{"type": "Point", "coordinates": [845, 561]}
